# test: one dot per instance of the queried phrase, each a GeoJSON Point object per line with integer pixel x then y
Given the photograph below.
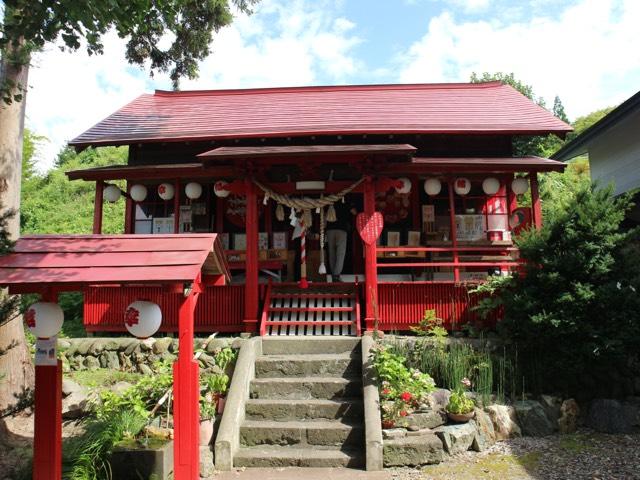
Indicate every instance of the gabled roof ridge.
{"type": "Point", "coordinates": [328, 88]}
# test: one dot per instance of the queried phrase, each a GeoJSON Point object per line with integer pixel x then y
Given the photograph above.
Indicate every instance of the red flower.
{"type": "Point", "coordinates": [386, 391]}
{"type": "Point", "coordinates": [403, 413]}
{"type": "Point", "coordinates": [406, 397]}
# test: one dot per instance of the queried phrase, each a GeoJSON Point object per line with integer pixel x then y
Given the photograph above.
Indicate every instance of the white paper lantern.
{"type": "Point", "coordinates": [142, 318]}
{"type": "Point", "coordinates": [165, 191]}
{"type": "Point", "coordinates": [138, 193]}
{"type": "Point", "coordinates": [219, 189]}
{"type": "Point", "coordinates": [490, 185]}
{"type": "Point", "coordinates": [193, 190]}
{"type": "Point", "coordinates": [519, 185]}
{"type": "Point", "coordinates": [44, 319]}
{"type": "Point", "coordinates": [462, 185]}
{"type": "Point", "coordinates": [111, 193]}
{"type": "Point", "coordinates": [432, 186]}
{"type": "Point", "coordinates": [406, 185]}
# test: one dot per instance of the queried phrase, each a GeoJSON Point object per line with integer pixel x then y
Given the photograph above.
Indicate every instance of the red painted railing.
{"type": "Point", "coordinates": [220, 308]}
{"type": "Point", "coordinates": [402, 304]}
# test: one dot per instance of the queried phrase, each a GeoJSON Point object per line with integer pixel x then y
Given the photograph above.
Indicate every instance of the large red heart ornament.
{"type": "Point", "coordinates": [369, 226]}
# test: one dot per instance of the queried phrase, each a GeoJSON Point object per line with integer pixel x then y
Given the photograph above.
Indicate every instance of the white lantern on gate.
{"type": "Point", "coordinates": [165, 191]}
{"type": "Point", "coordinates": [490, 185]}
{"type": "Point", "coordinates": [111, 193]}
{"type": "Point", "coordinates": [138, 193]}
{"type": "Point", "coordinates": [142, 318]}
{"type": "Point", "coordinates": [432, 186]}
{"type": "Point", "coordinates": [462, 185]}
{"type": "Point", "coordinates": [519, 185]}
{"type": "Point", "coordinates": [193, 190]}
{"type": "Point", "coordinates": [406, 185]}
{"type": "Point", "coordinates": [219, 188]}
{"type": "Point", "coordinates": [44, 319]}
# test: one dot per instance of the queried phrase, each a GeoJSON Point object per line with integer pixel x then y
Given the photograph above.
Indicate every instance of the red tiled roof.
{"type": "Point", "coordinates": [479, 108]}
{"type": "Point", "coordinates": [46, 260]}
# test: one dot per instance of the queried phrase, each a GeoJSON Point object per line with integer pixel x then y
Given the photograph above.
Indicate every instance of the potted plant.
{"type": "Point", "coordinates": [460, 407]}
{"type": "Point", "coordinates": [207, 419]}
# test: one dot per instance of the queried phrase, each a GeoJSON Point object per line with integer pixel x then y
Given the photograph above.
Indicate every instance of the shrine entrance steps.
{"type": "Point", "coordinates": [321, 309]}
{"type": "Point", "coordinates": [305, 405]}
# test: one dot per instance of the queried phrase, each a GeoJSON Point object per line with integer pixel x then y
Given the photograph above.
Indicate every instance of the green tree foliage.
{"type": "Point", "coordinates": [558, 189]}
{"type": "Point", "coordinates": [584, 122]}
{"type": "Point", "coordinates": [189, 25]}
{"type": "Point", "coordinates": [524, 145]}
{"type": "Point", "coordinates": [578, 300]}
{"type": "Point", "coordinates": [53, 204]}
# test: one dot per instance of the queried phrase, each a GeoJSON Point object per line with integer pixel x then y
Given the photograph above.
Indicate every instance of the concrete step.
{"type": "Point", "coordinates": [305, 387]}
{"type": "Point", "coordinates": [309, 345]}
{"type": "Point", "coordinates": [315, 432]}
{"type": "Point", "coordinates": [309, 365]}
{"type": "Point", "coordinates": [282, 410]}
{"type": "Point", "coordinates": [276, 456]}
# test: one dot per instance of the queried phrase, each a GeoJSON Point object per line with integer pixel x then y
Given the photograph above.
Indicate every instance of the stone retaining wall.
{"type": "Point", "coordinates": [132, 354]}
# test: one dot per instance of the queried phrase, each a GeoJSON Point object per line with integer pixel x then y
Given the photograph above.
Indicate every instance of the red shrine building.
{"type": "Point", "coordinates": [427, 173]}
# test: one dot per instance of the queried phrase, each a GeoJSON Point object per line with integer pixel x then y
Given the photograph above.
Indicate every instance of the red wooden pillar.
{"type": "Point", "coordinates": [97, 208]}
{"type": "Point", "coordinates": [47, 437]}
{"type": "Point", "coordinates": [176, 207]}
{"type": "Point", "coordinates": [129, 211]}
{"type": "Point", "coordinates": [186, 388]}
{"type": "Point", "coordinates": [536, 207]}
{"type": "Point", "coordinates": [454, 231]}
{"type": "Point", "coordinates": [370, 261]}
{"type": "Point", "coordinates": [251, 259]}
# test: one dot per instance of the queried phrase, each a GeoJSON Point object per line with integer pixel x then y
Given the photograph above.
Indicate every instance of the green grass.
{"type": "Point", "coordinates": [103, 377]}
{"type": "Point", "coordinates": [576, 443]}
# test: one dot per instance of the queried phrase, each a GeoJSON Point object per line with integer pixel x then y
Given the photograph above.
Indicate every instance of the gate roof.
{"type": "Point", "coordinates": [74, 261]}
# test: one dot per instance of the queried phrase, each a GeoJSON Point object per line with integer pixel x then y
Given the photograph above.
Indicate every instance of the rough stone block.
{"type": "Point", "coordinates": [608, 416]}
{"type": "Point", "coordinates": [551, 407]}
{"type": "Point", "coordinates": [456, 438]}
{"type": "Point", "coordinates": [91, 362]}
{"type": "Point", "coordinates": [413, 451]}
{"type": "Point", "coordinates": [504, 421]}
{"type": "Point", "coordinates": [569, 412]}
{"type": "Point", "coordinates": [430, 419]}
{"type": "Point", "coordinates": [533, 418]}
{"type": "Point", "coordinates": [161, 345]}
{"type": "Point", "coordinates": [486, 435]}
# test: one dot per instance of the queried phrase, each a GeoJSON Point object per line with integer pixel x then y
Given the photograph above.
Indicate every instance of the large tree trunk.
{"type": "Point", "coordinates": [16, 368]}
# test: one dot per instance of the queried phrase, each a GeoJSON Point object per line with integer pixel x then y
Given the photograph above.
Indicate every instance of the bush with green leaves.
{"type": "Point", "coordinates": [578, 300]}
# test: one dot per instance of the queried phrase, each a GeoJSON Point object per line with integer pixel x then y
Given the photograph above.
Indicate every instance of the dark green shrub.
{"type": "Point", "coordinates": [574, 314]}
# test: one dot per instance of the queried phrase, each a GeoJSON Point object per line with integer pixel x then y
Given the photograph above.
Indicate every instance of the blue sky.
{"type": "Point", "coordinates": [585, 51]}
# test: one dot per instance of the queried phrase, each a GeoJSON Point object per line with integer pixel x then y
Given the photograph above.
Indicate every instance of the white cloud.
{"type": "Point", "coordinates": [303, 42]}
{"type": "Point", "coordinates": [588, 54]}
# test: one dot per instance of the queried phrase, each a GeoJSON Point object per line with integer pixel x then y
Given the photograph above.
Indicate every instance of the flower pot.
{"type": "Point", "coordinates": [206, 432]}
{"type": "Point", "coordinates": [388, 424]}
{"type": "Point", "coordinates": [220, 403]}
{"type": "Point", "coordinates": [461, 417]}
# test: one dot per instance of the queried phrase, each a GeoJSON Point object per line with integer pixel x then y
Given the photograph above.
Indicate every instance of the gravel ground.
{"type": "Point", "coordinates": [583, 455]}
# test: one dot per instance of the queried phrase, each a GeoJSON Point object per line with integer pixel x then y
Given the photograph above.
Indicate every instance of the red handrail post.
{"type": "Point", "coordinates": [186, 388]}
{"type": "Point", "coordinates": [251, 259]}
{"type": "Point", "coordinates": [454, 232]}
{"type": "Point", "coordinates": [371, 266]}
{"type": "Point", "coordinates": [47, 438]}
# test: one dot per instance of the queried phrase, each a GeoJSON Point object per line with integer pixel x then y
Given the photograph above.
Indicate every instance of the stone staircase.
{"type": "Point", "coordinates": [305, 407]}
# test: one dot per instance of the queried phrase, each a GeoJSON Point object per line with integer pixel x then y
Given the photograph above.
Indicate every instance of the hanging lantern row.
{"type": "Point", "coordinates": [166, 191]}
{"type": "Point", "coordinates": [462, 186]}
